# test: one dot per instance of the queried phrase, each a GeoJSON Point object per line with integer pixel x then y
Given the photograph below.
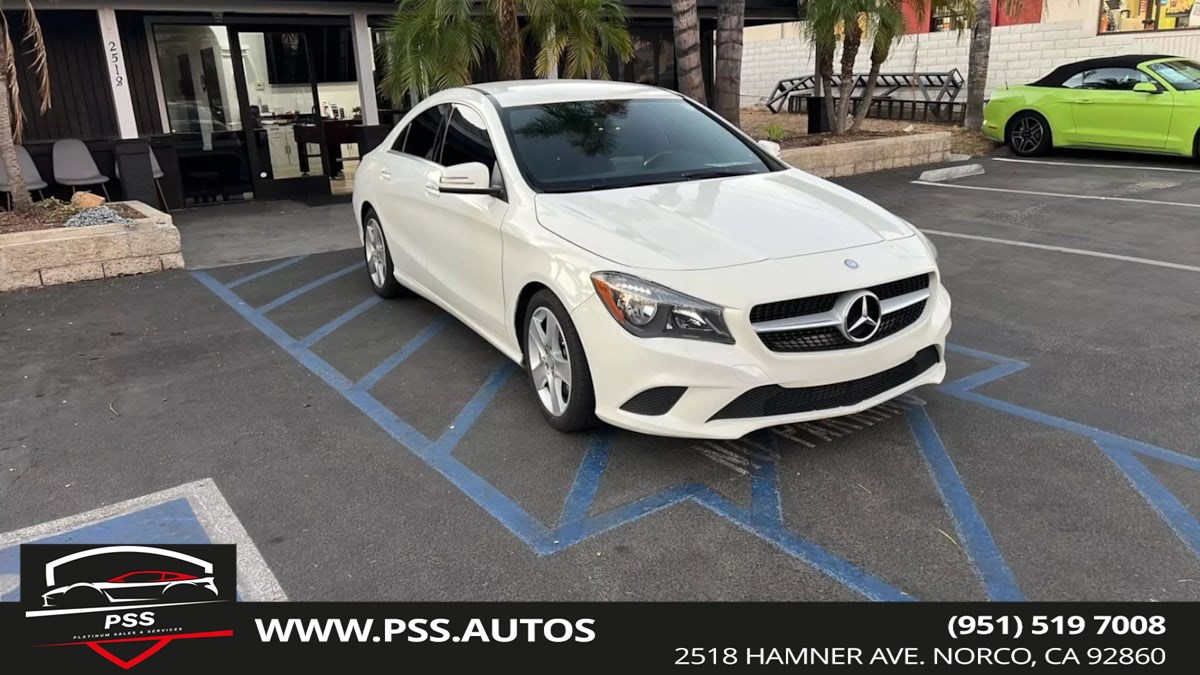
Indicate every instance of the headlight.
{"type": "Point", "coordinates": [649, 310]}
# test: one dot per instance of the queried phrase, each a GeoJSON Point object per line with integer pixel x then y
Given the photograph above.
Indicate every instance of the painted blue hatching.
{"type": "Point", "coordinates": [763, 518]}
{"type": "Point", "coordinates": [171, 522]}
{"type": "Point", "coordinates": [266, 271]}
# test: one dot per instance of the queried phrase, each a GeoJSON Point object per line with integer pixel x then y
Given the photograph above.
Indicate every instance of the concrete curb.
{"type": "Point", "coordinates": [952, 173]}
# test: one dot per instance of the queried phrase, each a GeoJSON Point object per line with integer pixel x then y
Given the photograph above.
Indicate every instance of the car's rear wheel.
{"type": "Point", "coordinates": [557, 366]}
{"type": "Point", "coordinates": [1029, 134]}
{"type": "Point", "coordinates": [379, 259]}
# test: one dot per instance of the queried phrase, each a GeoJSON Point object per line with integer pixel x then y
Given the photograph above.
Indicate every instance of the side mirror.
{"type": "Point", "coordinates": [771, 147]}
{"type": "Point", "coordinates": [471, 178]}
{"type": "Point", "coordinates": [1147, 88]}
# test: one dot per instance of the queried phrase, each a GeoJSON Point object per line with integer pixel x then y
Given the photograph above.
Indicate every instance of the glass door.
{"type": "Point", "coordinates": [281, 112]}
{"type": "Point", "coordinates": [202, 111]}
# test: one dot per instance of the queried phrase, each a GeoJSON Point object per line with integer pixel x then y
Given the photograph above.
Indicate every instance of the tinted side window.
{"type": "Point", "coordinates": [1118, 79]}
{"type": "Point", "coordinates": [398, 146]}
{"type": "Point", "coordinates": [421, 136]}
{"type": "Point", "coordinates": [467, 139]}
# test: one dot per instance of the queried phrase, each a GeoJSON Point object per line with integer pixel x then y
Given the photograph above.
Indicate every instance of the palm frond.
{"type": "Point", "coordinates": [33, 33]}
{"type": "Point", "coordinates": [9, 66]}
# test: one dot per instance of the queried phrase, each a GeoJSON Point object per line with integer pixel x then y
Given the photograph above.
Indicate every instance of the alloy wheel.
{"type": "Point", "coordinates": [376, 253]}
{"type": "Point", "coordinates": [1027, 135]}
{"type": "Point", "coordinates": [549, 361]}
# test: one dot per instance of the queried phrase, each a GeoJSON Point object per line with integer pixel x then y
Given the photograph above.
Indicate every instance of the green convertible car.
{"type": "Point", "coordinates": [1133, 103]}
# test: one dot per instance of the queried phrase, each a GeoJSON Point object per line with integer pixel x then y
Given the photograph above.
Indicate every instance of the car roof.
{"type": "Point", "coordinates": [1059, 75]}
{"type": "Point", "coordinates": [516, 93]}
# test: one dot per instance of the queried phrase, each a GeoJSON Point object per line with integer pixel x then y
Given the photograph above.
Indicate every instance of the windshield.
{"type": "Point", "coordinates": [596, 145]}
{"type": "Point", "coordinates": [1183, 75]}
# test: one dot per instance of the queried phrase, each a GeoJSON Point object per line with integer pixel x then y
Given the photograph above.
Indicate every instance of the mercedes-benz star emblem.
{"type": "Point", "coordinates": [861, 316]}
{"type": "Point", "coordinates": [851, 263]}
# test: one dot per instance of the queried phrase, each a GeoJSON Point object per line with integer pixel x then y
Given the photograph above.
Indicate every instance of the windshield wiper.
{"type": "Point", "coordinates": [713, 173]}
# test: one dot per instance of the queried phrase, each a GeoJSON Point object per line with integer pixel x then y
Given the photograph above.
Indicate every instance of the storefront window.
{"type": "Point", "coordinates": [1120, 16]}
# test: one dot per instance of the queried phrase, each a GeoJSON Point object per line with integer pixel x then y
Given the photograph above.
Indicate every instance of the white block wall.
{"type": "Point", "coordinates": [1020, 53]}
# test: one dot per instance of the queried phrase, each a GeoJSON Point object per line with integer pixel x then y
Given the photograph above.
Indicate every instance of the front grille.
{"type": "Point", "coordinates": [772, 399]}
{"type": "Point", "coordinates": [786, 309]}
{"type": "Point", "coordinates": [654, 402]}
{"type": "Point", "coordinates": [830, 338]}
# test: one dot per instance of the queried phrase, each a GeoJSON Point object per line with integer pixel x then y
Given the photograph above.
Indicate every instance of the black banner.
{"type": "Point", "coordinates": [836, 637]}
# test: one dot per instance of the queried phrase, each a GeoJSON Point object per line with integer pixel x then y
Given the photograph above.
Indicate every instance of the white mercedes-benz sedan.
{"type": "Point", "coordinates": [648, 263]}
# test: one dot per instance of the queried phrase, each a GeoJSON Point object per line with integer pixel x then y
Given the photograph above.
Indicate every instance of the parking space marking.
{"type": "Point", "coordinates": [973, 531]}
{"type": "Point", "coordinates": [1064, 249]}
{"type": "Point", "coordinates": [265, 271]}
{"type": "Point", "coordinates": [1082, 165]}
{"type": "Point", "coordinates": [317, 283]}
{"type": "Point", "coordinates": [193, 513]}
{"type": "Point", "coordinates": [1061, 195]}
{"type": "Point", "coordinates": [542, 539]}
{"type": "Point", "coordinates": [324, 331]}
{"type": "Point", "coordinates": [1119, 449]}
{"type": "Point", "coordinates": [763, 517]}
{"type": "Point", "coordinates": [368, 382]}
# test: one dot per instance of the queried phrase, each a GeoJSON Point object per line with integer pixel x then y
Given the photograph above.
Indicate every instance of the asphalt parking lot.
{"type": "Point", "coordinates": [379, 450]}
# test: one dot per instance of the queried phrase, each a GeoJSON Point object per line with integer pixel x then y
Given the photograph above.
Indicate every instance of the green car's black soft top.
{"type": "Point", "coordinates": [1060, 75]}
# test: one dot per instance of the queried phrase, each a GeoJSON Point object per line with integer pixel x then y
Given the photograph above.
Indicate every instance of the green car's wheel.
{"type": "Point", "coordinates": [1029, 134]}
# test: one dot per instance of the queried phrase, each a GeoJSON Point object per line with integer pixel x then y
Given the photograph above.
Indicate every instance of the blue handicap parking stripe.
{"type": "Point", "coordinates": [172, 522]}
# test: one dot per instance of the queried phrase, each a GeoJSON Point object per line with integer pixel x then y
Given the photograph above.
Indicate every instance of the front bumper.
{"type": "Point", "coordinates": [716, 375]}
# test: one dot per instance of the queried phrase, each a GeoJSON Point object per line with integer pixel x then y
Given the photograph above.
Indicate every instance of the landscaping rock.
{"type": "Point", "coordinates": [87, 200]}
{"type": "Point", "coordinates": [101, 215]}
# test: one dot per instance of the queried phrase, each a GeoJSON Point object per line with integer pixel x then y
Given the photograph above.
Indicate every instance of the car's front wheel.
{"type": "Point", "coordinates": [557, 366]}
{"type": "Point", "coordinates": [1029, 134]}
{"type": "Point", "coordinates": [379, 258]}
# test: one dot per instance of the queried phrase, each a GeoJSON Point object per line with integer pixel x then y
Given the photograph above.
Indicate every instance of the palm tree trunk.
{"type": "Point", "coordinates": [731, 20]}
{"type": "Point", "coordinates": [21, 199]}
{"type": "Point", "coordinates": [824, 58]}
{"type": "Point", "coordinates": [850, 46]}
{"type": "Point", "coordinates": [977, 60]}
{"type": "Point", "coordinates": [864, 106]}
{"type": "Point", "coordinates": [510, 39]}
{"type": "Point", "coordinates": [686, 21]}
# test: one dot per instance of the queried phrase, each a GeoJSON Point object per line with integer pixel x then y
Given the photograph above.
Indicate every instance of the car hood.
{"type": "Point", "coordinates": [707, 224]}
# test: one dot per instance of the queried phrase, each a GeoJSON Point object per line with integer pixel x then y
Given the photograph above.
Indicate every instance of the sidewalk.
{"type": "Point", "coordinates": [214, 236]}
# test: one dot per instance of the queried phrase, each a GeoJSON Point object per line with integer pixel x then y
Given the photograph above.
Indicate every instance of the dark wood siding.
{"type": "Point", "coordinates": [138, 55]}
{"type": "Point", "coordinates": [82, 102]}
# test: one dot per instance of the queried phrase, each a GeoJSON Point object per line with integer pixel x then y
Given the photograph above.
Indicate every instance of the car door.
{"type": "Point", "coordinates": [463, 238]}
{"type": "Point", "coordinates": [404, 176]}
{"type": "Point", "coordinates": [1109, 113]}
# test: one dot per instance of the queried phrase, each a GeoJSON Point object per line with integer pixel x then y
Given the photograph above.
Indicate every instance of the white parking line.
{"type": "Point", "coordinates": [1094, 166]}
{"type": "Point", "coordinates": [1063, 249]}
{"type": "Point", "coordinates": [1062, 195]}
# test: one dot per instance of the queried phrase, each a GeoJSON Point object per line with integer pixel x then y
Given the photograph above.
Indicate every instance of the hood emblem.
{"type": "Point", "coordinates": [851, 263]}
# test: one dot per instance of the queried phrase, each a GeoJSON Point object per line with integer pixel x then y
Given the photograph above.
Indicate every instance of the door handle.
{"type": "Point", "coordinates": [385, 174]}
{"type": "Point", "coordinates": [1086, 101]}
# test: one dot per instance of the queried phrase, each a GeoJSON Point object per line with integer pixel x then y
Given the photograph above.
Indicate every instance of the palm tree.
{"type": "Point", "coordinates": [430, 45]}
{"type": "Point", "coordinates": [731, 19]}
{"type": "Point", "coordinates": [824, 21]}
{"type": "Point", "coordinates": [977, 15]}
{"type": "Point", "coordinates": [12, 116]}
{"type": "Point", "coordinates": [581, 34]}
{"type": "Point", "coordinates": [686, 21]}
{"type": "Point", "coordinates": [888, 27]}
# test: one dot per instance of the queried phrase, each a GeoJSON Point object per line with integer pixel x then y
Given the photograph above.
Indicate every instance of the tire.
{"type": "Point", "coordinates": [380, 270]}
{"type": "Point", "coordinates": [187, 593]}
{"type": "Point", "coordinates": [566, 405]}
{"type": "Point", "coordinates": [1029, 134]}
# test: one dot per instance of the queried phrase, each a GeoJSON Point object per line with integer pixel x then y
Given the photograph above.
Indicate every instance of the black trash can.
{"type": "Point", "coordinates": [818, 122]}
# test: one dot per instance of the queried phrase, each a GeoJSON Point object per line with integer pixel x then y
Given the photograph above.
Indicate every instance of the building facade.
{"type": "Point", "coordinates": [1043, 35]}
{"type": "Point", "coordinates": [249, 99]}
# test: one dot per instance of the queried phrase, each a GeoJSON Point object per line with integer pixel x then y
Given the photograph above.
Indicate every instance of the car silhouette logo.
{"type": "Point", "coordinates": [134, 586]}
